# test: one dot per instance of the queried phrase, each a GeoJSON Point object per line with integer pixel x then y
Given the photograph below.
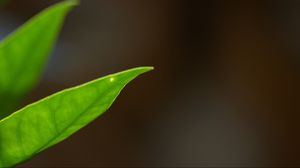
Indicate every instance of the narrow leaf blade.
{"type": "Point", "coordinates": [49, 121]}
{"type": "Point", "coordinates": [24, 53]}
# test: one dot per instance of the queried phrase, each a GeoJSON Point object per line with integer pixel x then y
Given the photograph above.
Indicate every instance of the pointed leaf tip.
{"type": "Point", "coordinates": [49, 121]}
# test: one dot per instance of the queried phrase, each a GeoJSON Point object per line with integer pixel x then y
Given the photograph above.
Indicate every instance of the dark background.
{"type": "Point", "coordinates": [224, 92]}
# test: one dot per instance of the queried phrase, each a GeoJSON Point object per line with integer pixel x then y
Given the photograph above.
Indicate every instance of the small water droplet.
{"type": "Point", "coordinates": [111, 79]}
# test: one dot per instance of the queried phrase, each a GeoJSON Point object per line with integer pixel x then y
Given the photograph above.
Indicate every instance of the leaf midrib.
{"type": "Point", "coordinates": [68, 126]}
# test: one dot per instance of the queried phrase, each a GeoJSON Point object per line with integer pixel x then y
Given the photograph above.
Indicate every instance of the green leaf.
{"type": "Point", "coordinates": [51, 120]}
{"type": "Point", "coordinates": [24, 53]}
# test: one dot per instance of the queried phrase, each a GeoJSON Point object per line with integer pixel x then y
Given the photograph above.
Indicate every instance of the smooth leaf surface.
{"type": "Point", "coordinates": [24, 53]}
{"type": "Point", "coordinates": [49, 121]}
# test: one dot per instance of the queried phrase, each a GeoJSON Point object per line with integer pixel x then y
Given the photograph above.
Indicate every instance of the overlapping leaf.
{"type": "Point", "coordinates": [24, 53]}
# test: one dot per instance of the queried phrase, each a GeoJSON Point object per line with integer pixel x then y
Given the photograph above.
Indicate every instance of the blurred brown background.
{"type": "Point", "coordinates": [225, 90]}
